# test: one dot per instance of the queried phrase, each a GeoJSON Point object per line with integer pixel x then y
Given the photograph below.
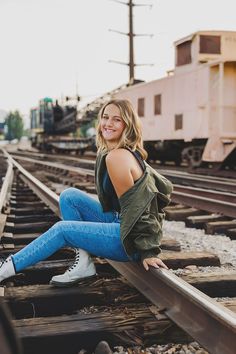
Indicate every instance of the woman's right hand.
{"type": "Point", "coordinates": [154, 262]}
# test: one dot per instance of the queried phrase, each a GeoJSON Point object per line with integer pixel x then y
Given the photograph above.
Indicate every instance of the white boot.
{"type": "Point", "coordinates": [7, 269]}
{"type": "Point", "coordinates": [83, 267]}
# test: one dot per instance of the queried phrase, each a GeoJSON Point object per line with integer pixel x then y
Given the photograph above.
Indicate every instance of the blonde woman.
{"type": "Point", "coordinates": [125, 224]}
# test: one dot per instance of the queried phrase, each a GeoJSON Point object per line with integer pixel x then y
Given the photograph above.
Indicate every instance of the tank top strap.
{"type": "Point", "coordinates": [138, 157]}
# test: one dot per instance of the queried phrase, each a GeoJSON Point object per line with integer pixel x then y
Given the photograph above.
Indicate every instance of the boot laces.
{"type": "Point", "coordinates": [75, 262]}
{"type": "Point", "coordinates": [3, 260]}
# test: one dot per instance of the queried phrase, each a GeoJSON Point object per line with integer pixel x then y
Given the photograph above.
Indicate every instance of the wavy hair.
{"type": "Point", "coordinates": [132, 135]}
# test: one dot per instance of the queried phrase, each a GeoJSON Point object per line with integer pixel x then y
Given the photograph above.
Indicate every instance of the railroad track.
{"type": "Point", "coordinates": [176, 176]}
{"type": "Point", "coordinates": [90, 157]}
{"type": "Point", "coordinates": [212, 209]}
{"type": "Point", "coordinates": [203, 202]}
{"type": "Point", "coordinates": [107, 307]}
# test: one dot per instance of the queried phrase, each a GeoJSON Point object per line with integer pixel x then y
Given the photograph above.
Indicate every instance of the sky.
{"type": "Point", "coordinates": [50, 47]}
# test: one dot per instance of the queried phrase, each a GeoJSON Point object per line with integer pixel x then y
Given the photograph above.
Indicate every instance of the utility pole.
{"type": "Point", "coordinates": [131, 42]}
{"type": "Point", "coordinates": [131, 36]}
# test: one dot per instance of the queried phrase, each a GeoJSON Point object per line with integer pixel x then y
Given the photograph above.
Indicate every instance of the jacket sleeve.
{"type": "Point", "coordinates": [147, 235]}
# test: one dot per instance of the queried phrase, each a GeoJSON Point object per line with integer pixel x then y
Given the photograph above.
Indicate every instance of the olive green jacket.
{"type": "Point", "coordinates": [141, 209]}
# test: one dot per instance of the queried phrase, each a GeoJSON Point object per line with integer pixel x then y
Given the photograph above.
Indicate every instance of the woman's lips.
{"type": "Point", "coordinates": [108, 131]}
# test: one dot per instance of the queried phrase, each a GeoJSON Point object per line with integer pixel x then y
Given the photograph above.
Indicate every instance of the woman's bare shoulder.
{"type": "Point", "coordinates": [119, 159]}
{"type": "Point", "coordinates": [119, 167]}
{"type": "Point", "coordinates": [119, 154]}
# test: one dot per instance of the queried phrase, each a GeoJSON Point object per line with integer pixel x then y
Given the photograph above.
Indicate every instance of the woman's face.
{"type": "Point", "coordinates": [112, 125]}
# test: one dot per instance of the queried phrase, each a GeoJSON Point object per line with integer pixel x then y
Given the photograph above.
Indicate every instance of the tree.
{"type": "Point", "coordinates": [14, 125]}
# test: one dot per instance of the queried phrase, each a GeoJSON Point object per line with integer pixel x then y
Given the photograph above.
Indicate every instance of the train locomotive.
{"type": "Point", "coordinates": [54, 128]}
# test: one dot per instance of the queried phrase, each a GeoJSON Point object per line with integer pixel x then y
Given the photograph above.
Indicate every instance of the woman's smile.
{"type": "Point", "coordinates": [108, 131]}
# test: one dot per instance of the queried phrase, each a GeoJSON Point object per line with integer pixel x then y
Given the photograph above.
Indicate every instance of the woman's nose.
{"type": "Point", "coordinates": [109, 122]}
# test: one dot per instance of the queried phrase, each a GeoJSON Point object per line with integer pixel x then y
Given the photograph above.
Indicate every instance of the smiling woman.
{"type": "Point", "coordinates": [125, 224]}
{"type": "Point", "coordinates": [127, 184]}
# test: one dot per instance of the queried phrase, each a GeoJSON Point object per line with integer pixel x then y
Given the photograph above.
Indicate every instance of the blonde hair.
{"type": "Point", "coordinates": [132, 135]}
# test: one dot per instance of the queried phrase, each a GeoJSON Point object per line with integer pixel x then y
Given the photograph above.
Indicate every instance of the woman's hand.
{"type": "Point", "coordinates": [154, 262]}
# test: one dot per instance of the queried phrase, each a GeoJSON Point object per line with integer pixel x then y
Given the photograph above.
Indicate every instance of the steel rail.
{"type": "Point", "coordinates": [208, 322]}
{"type": "Point", "coordinates": [207, 193]}
{"type": "Point", "coordinates": [61, 166]}
{"type": "Point", "coordinates": [203, 203]}
{"type": "Point", "coordinates": [201, 181]}
{"type": "Point", "coordinates": [8, 179]}
{"type": "Point", "coordinates": [52, 156]}
{"type": "Point", "coordinates": [43, 192]}
{"type": "Point", "coordinates": [212, 325]}
{"type": "Point", "coordinates": [199, 176]}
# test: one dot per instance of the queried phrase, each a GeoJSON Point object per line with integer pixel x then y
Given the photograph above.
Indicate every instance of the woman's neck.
{"type": "Point", "coordinates": [111, 146]}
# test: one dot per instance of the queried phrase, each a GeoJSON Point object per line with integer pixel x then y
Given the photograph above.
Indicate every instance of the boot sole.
{"type": "Point", "coordinates": [68, 284]}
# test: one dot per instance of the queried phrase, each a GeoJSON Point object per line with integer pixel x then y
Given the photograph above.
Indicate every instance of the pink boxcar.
{"type": "Point", "coordinates": [191, 113]}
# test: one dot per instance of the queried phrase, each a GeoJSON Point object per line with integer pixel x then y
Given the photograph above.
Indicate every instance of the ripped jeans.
{"type": "Point", "coordinates": [85, 225]}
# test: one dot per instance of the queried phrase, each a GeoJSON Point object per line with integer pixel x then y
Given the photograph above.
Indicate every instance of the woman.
{"type": "Point", "coordinates": [126, 223]}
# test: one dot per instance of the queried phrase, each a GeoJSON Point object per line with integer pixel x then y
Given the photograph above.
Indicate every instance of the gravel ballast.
{"type": "Point", "coordinates": [197, 240]}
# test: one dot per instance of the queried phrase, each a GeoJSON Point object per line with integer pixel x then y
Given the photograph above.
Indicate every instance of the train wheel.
{"type": "Point", "coordinates": [178, 161]}
{"type": "Point", "coordinates": [193, 155]}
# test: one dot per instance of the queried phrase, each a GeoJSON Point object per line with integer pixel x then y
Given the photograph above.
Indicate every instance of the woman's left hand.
{"type": "Point", "coordinates": [154, 262]}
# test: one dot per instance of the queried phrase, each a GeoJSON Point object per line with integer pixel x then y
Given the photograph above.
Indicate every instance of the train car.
{"type": "Point", "coordinates": [191, 113]}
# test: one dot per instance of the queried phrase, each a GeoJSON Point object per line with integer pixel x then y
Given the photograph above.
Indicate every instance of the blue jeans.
{"type": "Point", "coordinates": [85, 225]}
